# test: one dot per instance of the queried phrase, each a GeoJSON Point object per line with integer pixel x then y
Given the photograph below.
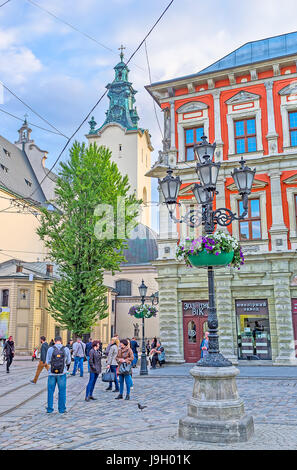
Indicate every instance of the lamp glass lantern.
{"type": "Point", "coordinates": [170, 187]}
{"type": "Point", "coordinates": [208, 173]}
{"type": "Point", "coordinates": [142, 289]}
{"type": "Point", "coordinates": [200, 194]}
{"type": "Point", "coordinates": [243, 178]}
{"type": "Point", "coordinates": [204, 149]}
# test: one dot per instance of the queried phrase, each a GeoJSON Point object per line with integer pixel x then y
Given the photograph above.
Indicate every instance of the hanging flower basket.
{"type": "Point", "coordinates": [209, 259]}
{"type": "Point", "coordinates": [219, 249]}
{"type": "Point", "coordinates": [145, 311]}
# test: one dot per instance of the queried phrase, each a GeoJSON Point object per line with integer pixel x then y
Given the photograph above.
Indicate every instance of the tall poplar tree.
{"type": "Point", "coordinates": [88, 179]}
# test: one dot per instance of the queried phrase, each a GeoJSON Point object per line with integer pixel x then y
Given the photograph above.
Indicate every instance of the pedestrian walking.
{"type": "Point", "coordinates": [95, 369]}
{"type": "Point", "coordinates": [52, 343]}
{"type": "Point", "coordinates": [58, 356]}
{"type": "Point", "coordinates": [9, 351]}
{"type": "Point", "coordinates": [110, 344]}
{"type": "Point", "coordinates": [78, 353]}
{"type": "Point", "coordinates": [134, 345]}
{"type": "Point", "coordinates": [69, 345]}
{"type": "Point", "coordinates": [88, 349]}
{"type": "Point", "coordinates": [1, 352]}
{"type": "Point", "coordinates": [124, 359]}
{"type": "Point", "coordinates": [112, 363]}
{"type": "Point", "coordinates": [42, 361]}
{"type": "Point", "coordinates": [204, 345]}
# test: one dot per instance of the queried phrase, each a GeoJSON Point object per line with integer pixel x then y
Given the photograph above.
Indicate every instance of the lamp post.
{"type": "Point", "coordinates": [143, 364]}
{"type": "Point", "coordinates": [208, 171]}
{"type": "Point", "coordinates": [215, 412]}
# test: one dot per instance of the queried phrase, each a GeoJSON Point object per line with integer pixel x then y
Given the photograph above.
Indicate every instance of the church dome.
{"type": "Point", "coordinates": [142, 246]}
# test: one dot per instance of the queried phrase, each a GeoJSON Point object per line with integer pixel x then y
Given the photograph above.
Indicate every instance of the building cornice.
{"type": "Point", "coordinates": [199, 79]}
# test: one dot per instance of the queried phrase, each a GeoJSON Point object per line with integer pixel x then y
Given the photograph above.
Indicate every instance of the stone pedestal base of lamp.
{"type": "Point", "coordinates": [215, 411]}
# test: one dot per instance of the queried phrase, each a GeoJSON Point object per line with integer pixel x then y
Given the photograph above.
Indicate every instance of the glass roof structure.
{"type": "Point", "coordinates": [256, 51]}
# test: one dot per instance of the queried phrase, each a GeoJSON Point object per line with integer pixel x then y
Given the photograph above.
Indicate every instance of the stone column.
{"type": "Point", "coordinates": [278, 230]}
{"type": "Point", "coordinates": [272, 135]}
{"type": "Point", "coordinates": [225, 313]}
{"type": "Point", "coordinates": [172, 125]}
{"type": "Point", "coordinates": [169, 311]}
{"type": "Point", "coordinates": [217, 123]}
{"type": "Point", "coordinates": [283, 314]}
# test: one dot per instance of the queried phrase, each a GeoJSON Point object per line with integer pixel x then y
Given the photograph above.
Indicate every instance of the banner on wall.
{"type": "Point", "coordinates": [4, 321]}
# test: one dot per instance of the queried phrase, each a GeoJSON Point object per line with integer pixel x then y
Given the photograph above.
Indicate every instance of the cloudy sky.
{"type": "Point", "coordinates": [61, 73]}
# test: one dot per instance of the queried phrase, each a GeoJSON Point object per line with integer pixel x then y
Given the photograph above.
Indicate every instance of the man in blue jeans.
{"type": "Point", "coordinates": [79, 353]}
{"type": "Point", "coordinates": [134, 345]}
{"type": "Point", "coordinates": [57, 378]}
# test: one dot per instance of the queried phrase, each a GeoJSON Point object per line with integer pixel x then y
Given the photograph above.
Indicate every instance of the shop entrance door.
{"type": "Point", "coordinates": [194, 327]}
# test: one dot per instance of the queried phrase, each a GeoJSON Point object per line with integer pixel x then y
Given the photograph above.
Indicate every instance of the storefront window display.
{"type": "Point", "coordinates": [253, 329]}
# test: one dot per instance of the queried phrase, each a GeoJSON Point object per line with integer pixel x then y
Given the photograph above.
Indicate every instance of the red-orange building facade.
{"type": "Point", "coordinates": [247, 103]}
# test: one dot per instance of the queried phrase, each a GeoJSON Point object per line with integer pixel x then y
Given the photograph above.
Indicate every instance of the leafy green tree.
{"type": "Point", "coordinates": [87, 180]}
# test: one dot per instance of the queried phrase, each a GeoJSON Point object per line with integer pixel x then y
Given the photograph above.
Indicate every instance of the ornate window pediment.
{"type": "Point", "coordinates": [290, 89]}
{"type": "Point", "coordinates": [187, 190]}
{"type": "Point", "coordinates": [291, 180]}
{"type": "Point", "coordinates": [191, 106]}
{"type": "Point", "coordinates": [242, 97]}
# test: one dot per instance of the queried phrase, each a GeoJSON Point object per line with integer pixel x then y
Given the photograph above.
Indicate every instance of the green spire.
{"type": "Point", "coordinates": [121, 96]}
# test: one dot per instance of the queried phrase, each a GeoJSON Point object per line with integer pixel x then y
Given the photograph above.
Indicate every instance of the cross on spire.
{"type": "Point", "coordinates": [121, 54]}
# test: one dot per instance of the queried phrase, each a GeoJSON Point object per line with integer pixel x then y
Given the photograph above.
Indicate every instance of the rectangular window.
{"type": "Point", "coordinates": [39, 298]}
{"type": "Point", "coordinates": [293, 128]}
{"type": "Point", "coordinates": [5, 296]}
{"type": "Point", "coordinates": [192, 137]}
{"type": "Point", "coordinates": [245, 135]}
{"type": "Point", "coordinates": [250, 227]}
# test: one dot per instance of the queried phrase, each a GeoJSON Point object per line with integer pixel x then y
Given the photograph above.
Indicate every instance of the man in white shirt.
{"type": "Point", "coordinates": [78, 353]}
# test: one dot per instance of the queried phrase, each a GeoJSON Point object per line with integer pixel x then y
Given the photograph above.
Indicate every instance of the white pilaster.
{"type": "Point", "coordinates": [272, 135]}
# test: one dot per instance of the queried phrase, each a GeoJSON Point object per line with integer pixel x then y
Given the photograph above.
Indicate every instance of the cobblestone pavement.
{"type": "Point", "coordinates": [117, 424]}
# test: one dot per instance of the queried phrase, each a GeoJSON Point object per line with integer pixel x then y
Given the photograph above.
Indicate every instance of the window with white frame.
{"type": "Point", "coordinates": [192, 123]}
{"type": "Point", "coordinates": [288, 111]}
{"type": "Point", "coordinates": [244, 124]}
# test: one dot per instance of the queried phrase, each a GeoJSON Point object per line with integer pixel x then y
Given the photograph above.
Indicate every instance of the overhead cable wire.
{"type": "Point", "coordinates": [101, 97]}
{"type": "Point", "coordinates": [4, 3]}
{"type": "Point", "coordinates": [33, 111]}
{"type": "Point", "coordinates": [150, 79]}
{"type": "Point", "coordinates": [30, 123]}
{"type": "Point", "coordinates": [77, 30]}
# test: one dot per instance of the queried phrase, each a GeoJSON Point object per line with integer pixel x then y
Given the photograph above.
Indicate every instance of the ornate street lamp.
{"type": "Point", "coordinates": [155, 298]}
{"type": "Point", "coordinates": [207, 171]}
{"type": "Point", "coordinates": [143, 364]}
{"type": "Point", "coordinates": [215, 410]}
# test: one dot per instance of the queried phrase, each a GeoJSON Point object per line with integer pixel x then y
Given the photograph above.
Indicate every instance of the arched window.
{"type": "Point", "coordinates": [123, 287]}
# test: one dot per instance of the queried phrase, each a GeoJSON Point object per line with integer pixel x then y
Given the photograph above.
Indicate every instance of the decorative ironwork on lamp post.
{"type": "Point", "coordinates": [204, 192]}
{"type": "Point", "coordinates": [143, 363]}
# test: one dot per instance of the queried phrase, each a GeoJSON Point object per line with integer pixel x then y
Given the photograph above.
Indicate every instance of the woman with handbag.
{"type": "Point", "coordinates": [124, 358]}
{"type": "Point", "coordinates": [111, 363]}
{"type": "Point", "coordinates": [95, 369]}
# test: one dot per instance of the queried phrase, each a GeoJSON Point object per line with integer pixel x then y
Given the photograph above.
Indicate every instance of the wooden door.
{"type": "Point", "coordinates": [194, 327]}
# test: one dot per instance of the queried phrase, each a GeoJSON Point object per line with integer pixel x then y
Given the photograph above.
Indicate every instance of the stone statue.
{"type": "Point", "coordinates": [136, 330]}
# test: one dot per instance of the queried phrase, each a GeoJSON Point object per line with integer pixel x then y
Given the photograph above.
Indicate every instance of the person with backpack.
{"type": "Point", "coordinates": [8, 351]}
{"type": "Point", "coordinates": [134, 345]}
{"type": "Point", "coordinates": [42, 361]}
{"type": "Point", "coordinates": [58, 356]}
{"type": "Point", "coordinates": [78, 353]}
